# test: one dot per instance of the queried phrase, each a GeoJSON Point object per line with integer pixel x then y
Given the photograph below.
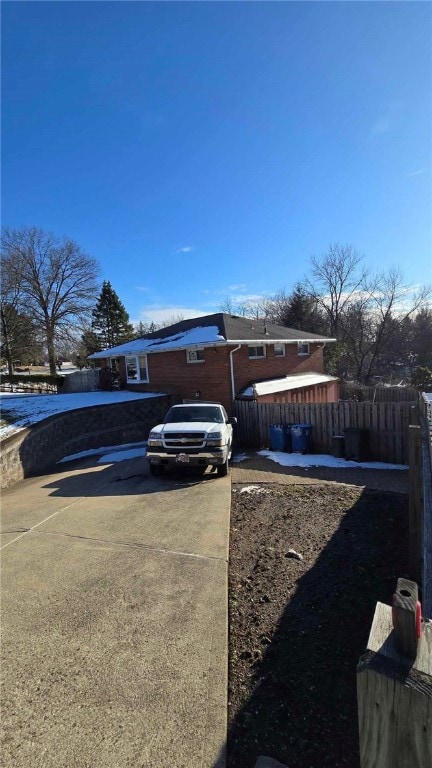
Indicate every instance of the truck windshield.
{"type": "Point", "coordinates": [194, 414]}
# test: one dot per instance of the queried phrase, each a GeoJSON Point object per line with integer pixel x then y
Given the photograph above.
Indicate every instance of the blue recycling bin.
{"type": "Point", "coordinates": [277, 437]}
{"type": "Point", "coordinates": [300, 438]}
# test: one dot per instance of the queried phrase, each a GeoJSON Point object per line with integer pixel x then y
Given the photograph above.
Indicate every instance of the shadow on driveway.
{"type": "Point", "coordinates": [129, 477]}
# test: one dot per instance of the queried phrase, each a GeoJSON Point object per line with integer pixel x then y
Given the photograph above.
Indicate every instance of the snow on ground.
{"type": "Point", "coordinates": [323, 460]}
{"type": "Point", "coordinates": [110, 453]}
{"type": "Point", "coordinates": [255, 489]}
{"type": "Point", "coordinates": [113, 453]}
{"type": "Point", "coordinates": [20, 411]}
{"type": "Point", "coordinates": [132, 453]}
{"type": "Point", "coordinates": [239, 457]}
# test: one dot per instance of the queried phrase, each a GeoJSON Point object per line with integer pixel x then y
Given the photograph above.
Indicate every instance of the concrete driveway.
{"type": "Point", "coordinates": [114, 619]}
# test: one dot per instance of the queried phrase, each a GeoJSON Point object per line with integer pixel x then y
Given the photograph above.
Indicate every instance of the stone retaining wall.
{"type": "Point", "coordinates": [36, 449]}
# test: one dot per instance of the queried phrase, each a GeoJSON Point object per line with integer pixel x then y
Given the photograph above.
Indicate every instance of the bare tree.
{"type": "Point", "coordinates": [228, 306]}
{"type": "Point", "coordinates": [19, 339]}
{"type": "Point", "coordinates": [374, 319]}
{"type": "Point", "coordinates": [255, 308]}
{"type": "Point", "coordinates": [339, 276]}
{"type": "Point", "coordinates": [8, 316]}
{"type": "Point", "coordinates": [391, 303]}
{"type": "Point", "coordinates": [54, 279]}
{"type": "Point", "coordinates": [171, 320]}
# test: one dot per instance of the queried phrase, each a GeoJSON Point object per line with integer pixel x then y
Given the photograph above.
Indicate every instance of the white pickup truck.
{"type": "Point", "coordinates": [192, 435]}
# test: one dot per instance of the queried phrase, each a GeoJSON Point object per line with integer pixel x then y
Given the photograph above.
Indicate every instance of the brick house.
{"type": "Point", "coordinates": [222, 357]}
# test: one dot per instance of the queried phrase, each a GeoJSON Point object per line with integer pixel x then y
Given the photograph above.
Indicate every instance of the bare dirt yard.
{"type": "Point", "coordinates": [307, 565]}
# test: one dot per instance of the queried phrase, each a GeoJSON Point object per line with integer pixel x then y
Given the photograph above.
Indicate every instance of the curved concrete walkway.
{"type": "Point", "coordinates": [114, 619]}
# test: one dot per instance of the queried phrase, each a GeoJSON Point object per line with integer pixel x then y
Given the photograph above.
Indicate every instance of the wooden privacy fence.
{"type": "Point", "coordinates": [420, 501]}
{"type": "Point", "coordinates": [377, 394]}
{"type": "Point", "coordinates": [394, 676]}
{"type": "Point", "coordinates": [387, 424]}
{"type": "Point", "coordinates": [87, 380]}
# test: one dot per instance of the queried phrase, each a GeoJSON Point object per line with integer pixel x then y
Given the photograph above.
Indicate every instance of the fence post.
{"type": "Point", "coordinates": [415, 503]}
{"type": "Point", "coordinates": [394, 696]}
{"type": "Point", "coordinates": [426, 428]}
{"type": "Point", "coordinates": [414, 415]}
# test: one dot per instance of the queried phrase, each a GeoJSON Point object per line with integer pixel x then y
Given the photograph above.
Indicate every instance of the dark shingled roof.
{"type": "Point", "coordinates": [235, 328]}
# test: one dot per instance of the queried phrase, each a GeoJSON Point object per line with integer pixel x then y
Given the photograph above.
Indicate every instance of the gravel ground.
{"type": "Point", "coordinates": [307, 565]}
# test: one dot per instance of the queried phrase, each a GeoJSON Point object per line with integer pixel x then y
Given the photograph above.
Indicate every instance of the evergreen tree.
{"type": "Point", "coordinates": [300, 310]}
{"type": "Point", "coordinates": [110, 320]}
{"type": "Point", "coordinates": [89, 343]}
{"type": "Point", "coordinates": [422, 379]}
{"type": "Point", "coordinates": [422, 338]}
{"type": "Point", "coordinates": [141, 329]}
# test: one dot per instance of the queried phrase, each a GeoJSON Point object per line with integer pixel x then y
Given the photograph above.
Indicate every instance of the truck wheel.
{"type": "Point", "coordinates": [223, 469]}
{"type": "Point", "coordinates": [156, 470]}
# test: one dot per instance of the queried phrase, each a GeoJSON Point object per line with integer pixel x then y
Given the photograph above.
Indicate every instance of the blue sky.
{"type": "Point", "coordinates": [202, 150]}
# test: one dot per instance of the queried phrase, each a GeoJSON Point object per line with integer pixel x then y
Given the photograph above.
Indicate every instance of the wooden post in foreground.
{"type": "Point", "coordinates": [394, 695]}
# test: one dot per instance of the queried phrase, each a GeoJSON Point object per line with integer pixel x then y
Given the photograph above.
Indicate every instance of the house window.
{"type": "Point", "coordinates": [303, 348]}
{"type": "Point", "coordinates": [279, 350]}
{"type": "Point", "coordinates": [195, 355]}
{"type": "Point", "coordinates": [136, 368]}
{"type": "Point", "coordinates": [256, 352]}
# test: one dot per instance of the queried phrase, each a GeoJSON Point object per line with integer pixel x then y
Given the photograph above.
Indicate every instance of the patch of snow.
{"type": "Point", "coordinates": [105, 450]}
{"type": "Point", "coordinates": [239, 457]}
{"type": "Point", "coordinates": [5, 395]}
{"type": "Point", "coordinates": [323, 460]}
{"type": "Point", "coordinates": [132, 453]}
{"type": "Point", "coordinates": [254, 489]}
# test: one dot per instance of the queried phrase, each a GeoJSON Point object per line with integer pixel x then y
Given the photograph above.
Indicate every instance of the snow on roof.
{"type": "Point", "coordinates": [295, 381]}
{"type": "Point", "coordinates": [219, 328]}
{"type": "Point", "coordinates": [194, 336]}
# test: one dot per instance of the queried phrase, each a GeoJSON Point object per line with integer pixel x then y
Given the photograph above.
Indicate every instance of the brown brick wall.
{"type": "Point", "coordinates": [246, 370]}
{"type": "Point", "coordinates": [170, 372]}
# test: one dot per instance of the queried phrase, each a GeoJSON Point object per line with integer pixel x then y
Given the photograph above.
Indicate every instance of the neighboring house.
{"type": "Point", "coordinates": [222, 357]}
